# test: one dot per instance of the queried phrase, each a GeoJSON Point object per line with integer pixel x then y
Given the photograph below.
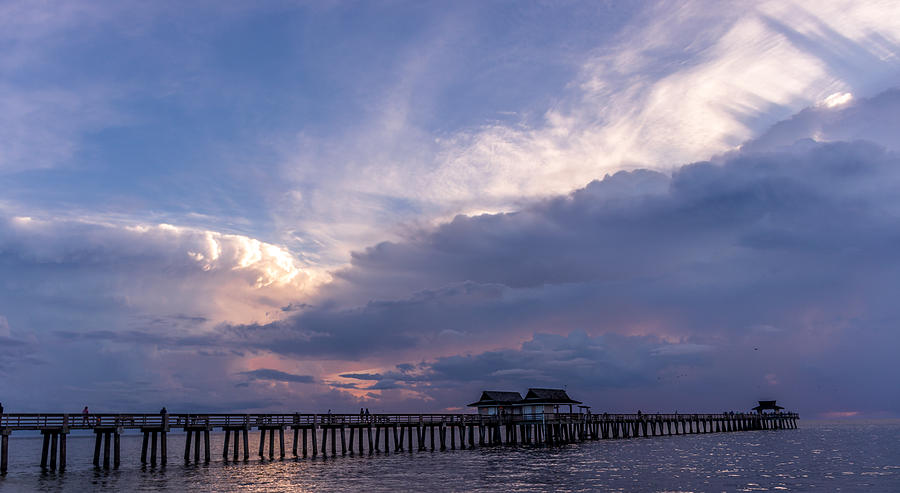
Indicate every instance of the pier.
{"type": "Point", "coordinates": [341, 434]}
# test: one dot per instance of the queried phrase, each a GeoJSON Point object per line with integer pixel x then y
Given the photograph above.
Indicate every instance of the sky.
{"type": "Point", "coordinates": [301, 206]}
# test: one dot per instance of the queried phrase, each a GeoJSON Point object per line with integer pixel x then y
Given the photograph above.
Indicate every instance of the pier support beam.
{"type": "Point", "coordinates": [153, 436]}
{"type": "Point", "coordinates": [333, 441]}
{"type": "Point", "coordinates": [103, 436]}
{"type": "Point", "coordinates": [350, 442]}
{"type": "Point", "coordinates": [4, 450]}
{"type": "Point", "coordinates": [304, 442]}
{"type": "Point", "coordinates": [246, 435]}
{"type": "Point", "coordinates": [54, 447]}
{"type": "Point", "coordinates": [262, 442]}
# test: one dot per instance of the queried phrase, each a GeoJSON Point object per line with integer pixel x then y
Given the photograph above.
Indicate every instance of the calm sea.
{"type": "Point", "coordinates": [817, 457]}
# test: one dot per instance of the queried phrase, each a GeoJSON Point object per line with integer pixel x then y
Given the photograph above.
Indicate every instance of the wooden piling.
{"type": "Point", "coordinates": [271, 443]}
{"type": "Point", "coordinates": [153, 439]}
{"type": "Point", "coordinates": [106, 450]}
{"type": "Point", "coordinates": [44, 447]}
{"type": "Point", "coordinates": [350, 441]}
{"type": "Point", "coordinates": [187, 446]}
{"type": "Point", "coordinates": [304, 442]}
{"type": "Point", "coordinates": [452, 437]}
{"type": "Point", "coordinates": [4, 451]}
{"type": "Point", "coordinates": [227, 443]}
{"type": "Point", "coordinates": [262, 443]}
{"type": "Point", "coordinates": [333, 442]}
{"type": "Point", "coordinates": [197, 446]}
{"type": "Point", "coordinates": [206, 451]}
{"type": "Point", "coordinates": [97, 440]}
{"type": "Point", "coordinates": [246, 432]}
{"type": "Point", "coordinates": [420, 437]}
{"type": "Point", "coordinates": [144, 442]}
{"type": "Point", "coordinates": [432, 437]}
{"type": "Point", "coordinates": [377, 438]}
{"type": "Point", "coordinates": [54, 437]}
{"type": "Point", "coordinates": [397, 443]}
{"type": "Point", "coordinates": [62, 450]}
{"type": "Point", "coordinates": [117, 449]}
{"type": "Point", "coordinates": [235, 447]}
{"type": "Point", "coordinates": [409, 438]}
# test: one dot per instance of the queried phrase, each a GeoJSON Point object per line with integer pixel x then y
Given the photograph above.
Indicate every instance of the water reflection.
{"type": "Point", "coordinates": [849, 457]}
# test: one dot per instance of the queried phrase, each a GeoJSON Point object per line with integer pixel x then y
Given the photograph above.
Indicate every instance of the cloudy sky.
{"type": "Point", "coordinates": [308, 205]}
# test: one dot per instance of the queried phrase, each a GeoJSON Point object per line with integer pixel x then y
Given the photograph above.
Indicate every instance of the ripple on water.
{"type": "Point", "coordinates": [813, 458]}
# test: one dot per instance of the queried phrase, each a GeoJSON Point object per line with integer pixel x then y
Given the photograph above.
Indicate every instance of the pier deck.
{"type": "Point", "coordinates": [372, 433]}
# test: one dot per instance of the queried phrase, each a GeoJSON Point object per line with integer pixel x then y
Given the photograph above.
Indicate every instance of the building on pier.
{"type": "Point", "coordinates": [767, 406]}
{"type": "Point", "coordinates": [495, 402]}
{"type": "Point", "coordinates": [536, 401]}
{"type": "Point", "coordinates": [545, 401]}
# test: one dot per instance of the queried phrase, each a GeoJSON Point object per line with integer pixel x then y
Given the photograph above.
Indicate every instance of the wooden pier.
{"type": "Point", "coordinates": [376, 433]}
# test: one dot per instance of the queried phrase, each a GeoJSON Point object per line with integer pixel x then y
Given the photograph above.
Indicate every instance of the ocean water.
{"type": "Point", "coordinates": [819, 456]}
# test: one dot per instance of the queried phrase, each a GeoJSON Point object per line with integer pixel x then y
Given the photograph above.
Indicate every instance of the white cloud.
{"type": "Point", "coordinates": [158, 270]}
{"type": "Point", "coordinates": [682, 82]}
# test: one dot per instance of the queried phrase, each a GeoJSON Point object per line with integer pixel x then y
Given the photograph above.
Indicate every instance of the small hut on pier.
{"type": "Point", "coordinates": [767, 406]}
{"type": "Point", "coordinates": [545, 401]}
{"type": "Point", "coordinates": [494, 402]}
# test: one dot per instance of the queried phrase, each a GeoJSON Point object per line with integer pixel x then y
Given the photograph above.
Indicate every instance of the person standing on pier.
{"type": "Point", "coordinates": [84, 415]}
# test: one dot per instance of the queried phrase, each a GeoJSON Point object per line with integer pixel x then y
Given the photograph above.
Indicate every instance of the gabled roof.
{"type": "Point", "coordinates": [548, 396]}
{"type": "Point", "coordinates": [497, 398]}
{"type": "Point", "coordinates": [767, 405]}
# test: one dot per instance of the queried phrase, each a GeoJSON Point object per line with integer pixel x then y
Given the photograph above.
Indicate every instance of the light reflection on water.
{"type": "Point", "coordinates": [817, 457]}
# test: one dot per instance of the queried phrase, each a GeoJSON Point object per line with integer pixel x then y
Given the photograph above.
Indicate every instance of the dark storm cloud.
{"type": "Point", "coordinates": [759, 240]}
{"type": "Point", "coordinates": [577, 359]}
{"type": "Point", "coordinates": [755, 205]}
{"type": "Point", "coordinates": [796, 245]}
{"type": "Point", "coordinates": [277, 376]}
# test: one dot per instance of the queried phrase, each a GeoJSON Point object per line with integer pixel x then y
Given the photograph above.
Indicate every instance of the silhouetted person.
{"type": "Point", "coordinates": [84, 415]}
{"type": "Point", "coordinates": [163, 410]}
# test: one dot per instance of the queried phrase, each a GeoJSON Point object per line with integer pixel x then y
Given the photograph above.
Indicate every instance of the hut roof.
{"type": "Point", "coordinates": [767, 405]}
{"type": "Point", "coordinates": [497, 398]}
{"type": "Point", "coordinates": [548, 396]}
